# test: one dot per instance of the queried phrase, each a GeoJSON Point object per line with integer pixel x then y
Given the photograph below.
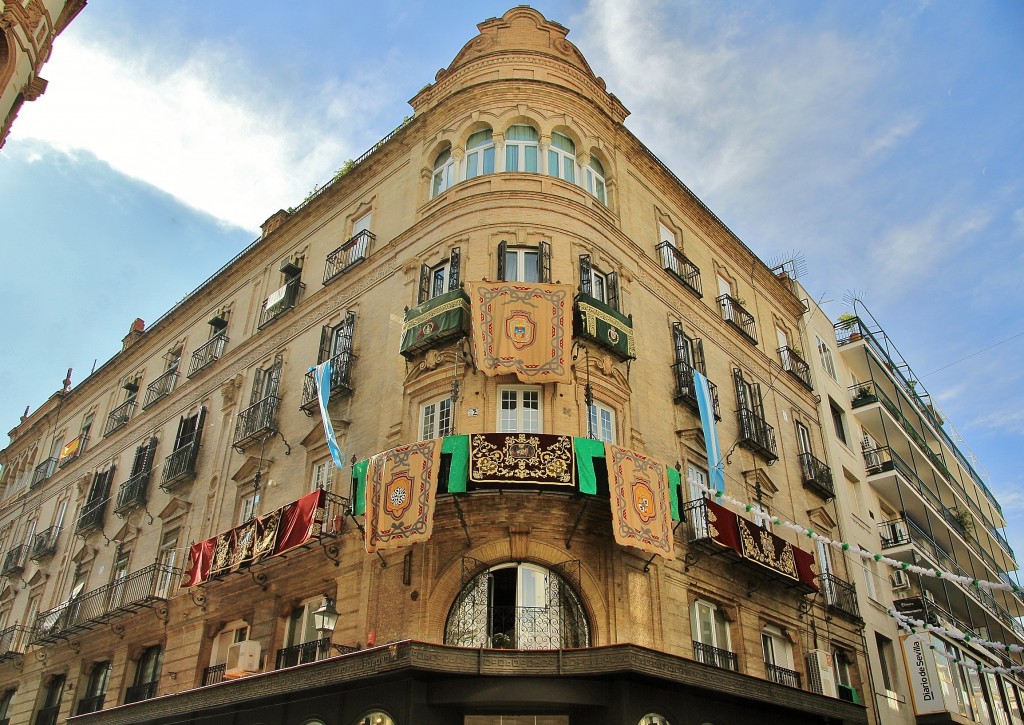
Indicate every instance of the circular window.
{"type": "Point", "coordinates": [377, 718]}
{"type": "Point", "coordinates": [653, 718]}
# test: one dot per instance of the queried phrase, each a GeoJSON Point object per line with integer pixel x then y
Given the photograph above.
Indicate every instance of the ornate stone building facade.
{"type": "Point", "coordinates": [27, 31]}
{"type": "Point", "coordinates": [198, 450]}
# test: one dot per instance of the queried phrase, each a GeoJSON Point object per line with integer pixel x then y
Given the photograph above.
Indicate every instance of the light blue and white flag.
{"type": "Point", "coordinates": [322, 377]}
{"type": "Point", "coordinates": [716, 472]}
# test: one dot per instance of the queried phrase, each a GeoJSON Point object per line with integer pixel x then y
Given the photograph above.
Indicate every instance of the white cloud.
{"type": "Point", "coordinates": [1006, 421]}
{"type": "Point", "coordinates": [890, 137]}
{"type": "Point", "coordinates": [178, 127]}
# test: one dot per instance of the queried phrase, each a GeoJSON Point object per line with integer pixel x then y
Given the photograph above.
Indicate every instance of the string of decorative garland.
{"type": "Point", "coordinates": [860, 551]}
{"type": "Point", "coordinates": [911, 625]}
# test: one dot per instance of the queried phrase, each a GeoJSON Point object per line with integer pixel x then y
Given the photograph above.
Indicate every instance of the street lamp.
{"type": "Point", "coordinates": [325, 619]}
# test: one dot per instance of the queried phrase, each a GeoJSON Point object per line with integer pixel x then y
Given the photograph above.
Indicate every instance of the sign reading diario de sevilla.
{"type": "Point", "coordinates": [923, 675]}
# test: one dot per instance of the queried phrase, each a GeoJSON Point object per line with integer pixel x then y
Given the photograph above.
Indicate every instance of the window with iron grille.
{"type": "Point", "coordinates": [602, 286]}
{"type": "Point", "coordinates": [440, 278]}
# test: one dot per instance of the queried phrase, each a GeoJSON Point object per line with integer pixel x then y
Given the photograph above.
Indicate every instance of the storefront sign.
{"type": "Point", "coordinates": [923, 675]}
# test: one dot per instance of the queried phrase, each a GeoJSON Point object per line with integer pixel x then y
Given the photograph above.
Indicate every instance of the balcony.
{"type": "Point", "coordinates": [341, 371]}
{"type": "Point", "coordinates": [12, 641]}
{"type": "Point", "coordinates": [348, 255]}
{"type": "Point", "coordinates": [435, 322]}
{"type": "Point", "coordinates": [313, 651]}
{"type": "Point", "coordinates": [44, 544]}
{"type": "Point", "coordinates": [757, 435]}
{"type": "Point", "coordinates": [132, 494]}
{"type": "Point", "coordinates": [782, 676]}
{"type": "Point", "coordinates": [817, 476]}
{"type": "Point", "coordinates": [99, 606]}
{"type": "Point", "coordinates": [43, 471]}
{"type": "Point", "coordinates": [120, 416]}
{"type": "Point", "coordinates": [605, 326]}
{"type": "Point", "coordinates": [161, 387]}
{"type": "Point", "coordinates": [840, 596]}
{"type": "Point", "coordinates": [138, 693]}
{"type": "Point", "coordinates": [47, 715]}
{"type": "Point", "coordinates": [675, 263]}
{"type": "Point", "coordinates": [734, 313]}
{"type": "Point", "coordinates": [280, 302]}
{"type": "Point", "coordinates": [721, 658]}
{"type": "Point", "coordinates": [256, 421]}
{"type": "Point", "coordinates": [686, 389]}
{"type": "Point", "coordinates": [208, 353]}
{"type": "Point", "coordinates": [72, 450]}
{"type": "Point", "coordinates": [90, 704]}
{"type": "Point", "coordinates": [214, 674]}
{"type": "Point", "coordinates": [180, 466]}
{"type": "Point", "coordinates": [15, 560]}
{"type": "Point", "coordinates": [796, 366]}
{"type": "Point", "coordinates": [92, 517]}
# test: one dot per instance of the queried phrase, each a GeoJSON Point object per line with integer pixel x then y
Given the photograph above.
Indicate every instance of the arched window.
{"type": "Point", "coordinates": [653, 718]}
{"type": "Point", "coordinates": [376, 718]}
{"type": "Point", "coordinates": [480, 153]}
{"type": "Point", "coordinates": [517, 606]}
{"type": "Point", "coordinates": [562, 158]}
{"type": "Point", "coordinates": [521, 148]}
{"type": "Point", "coordinates": [595, 180]}
{"type": "Point", "coordinates": [444, 173]}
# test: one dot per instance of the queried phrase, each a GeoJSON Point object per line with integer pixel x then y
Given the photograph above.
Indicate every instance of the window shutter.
{"type": "Point", "coordinates": [697, 350]}
{"type": "Point", "coordinates": [453, 270]}
{"type": "Point", "coordinates": [741, 389]}
{"type": "Point", "coordinates": [612, 290]}
{"type": "Point", "coordinates": [139, 463]}
{"type": "Point", "coordinates": [682, 349]}
{"type": "Point", "coordinates": [585, 286]}
{"type": "Point", "coordinates": [257, 386]}
{"type": "Point", "coordinates": [757, 403]}
{"type": "Point", "coordinates": [147, 464]}
{"type": "Point", "coordinates": [424, 293]}
{"type": "Point", "coordinates": [199, 418]}
{"type": "Point", "coordinates": [275, 376]}
{"type": "Point", "coordinates": [544, 260]}
{"type": "Point", "coordinates": [502, 251]}
{"type": "Point", "coordinates": [178, 442]}
{"type": "Point", "coordinates": [325, 344]}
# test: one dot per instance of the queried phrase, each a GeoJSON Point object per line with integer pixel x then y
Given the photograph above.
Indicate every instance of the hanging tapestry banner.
{"type": "Point", "coordinates": [516, 458]}
{"type": "Point", "coordinates": [301, 521]}
{"type": "Point", "coordinates": [641, 510]}
{"type": "Point", "coordinates": [767, 549]}
{"type": "Point", "coordinates": [401, 488]}
{"type": "Point", "coordinates": [720, 525]}
{"type": "Point", "coordinates": [200, 558]}
{"type": "Point", "coordinates": [522, 329]}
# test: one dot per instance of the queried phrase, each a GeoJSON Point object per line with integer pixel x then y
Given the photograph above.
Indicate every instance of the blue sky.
{"type": "Point", "coordinates": [882, 141]}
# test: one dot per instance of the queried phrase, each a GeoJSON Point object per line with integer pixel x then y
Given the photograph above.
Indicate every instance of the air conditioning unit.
{"type": "Point", "coordinates": [821, 672]}
{"type": "Point", "coordinates": [848, 693]}
{"type": "Point", "coordinates": [243, 658]}
{"type": "Point", "coordinates": [929, 596]}
{"type": "Point", "coordinates": [899, 579]}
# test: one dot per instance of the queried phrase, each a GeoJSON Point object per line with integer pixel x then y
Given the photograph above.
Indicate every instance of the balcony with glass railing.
{"type": "Point", "coordinates": [348, 255]}
{"type": "Point", "coordinates": [796, 366]}
{"type": "Point", "coordinates": [207, 354]}
{"type": "Point", "coordinates": [161, 387]}
{"type": "Point", "coordinates": [679, 266]}
{"type": "Point", "coordinates": [735, 314]}
{"type": "Point", "coordinates": [256, 421]}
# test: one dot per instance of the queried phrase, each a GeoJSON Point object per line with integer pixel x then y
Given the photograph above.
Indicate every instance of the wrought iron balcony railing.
{"type": "Point", "coordinates": [120, 416]}
{"type": "Point", "coordinates": [92, 516]}
{"type": "Point", "coordinates": [781, 675]}
{"type": "Point", "coordinates": [90, 704]}
{"type": "Point", "coordinates": [15, 560]}
{"type": "Point", "coordinates": [12, 641]}
{"type": "Point", "coordinates": [138, 693]}
{"type": "Point", "coordinates": [44, 543]}
{"type": "Point", "coordinates": [106, 603]}
{"type": "Point", "coordinates": [47, 715]}
{"type": "Point", "coordinates": [757, 435]}
{"type": "Point", "coordinates": [179, 466]}
{"type": "Point", "coordinates": [715, 656]}
{"type": "Point", "coordinates": [207, 354]}
{"type": "Point", "coordinates": [686, 389]}
{"type": "Point", "coordinates": [161, 387]}
{"type": "Point", "coordinates": [348, 255]}
{"type": "Point", "coordinates": [840, 595]}
{"type": "Point", "coordinates": [341, 373]}
{"type": "Point", "coordinates": [676, 263]}
{"type": "Point", "coordinates": [287, 302]}
{"type": "Point", "coordinates": [733, 313]}
{"type": "Point", "coordinates": [73, 450]}
{"type": "Point", "coordinates": [213, 674]}
{"type": "Point", "coordinates": [817, 476]}
{"type": "Point", "coordinates": [256, 421]}
{"type": "Point", "coordinates": [300, 654]}
{"type": "Point", "coordinates": [796, 366]}
{"type": "Point", "coordinates": [43, 471]}
{"type": "Point", "coordinates": [132, 493]}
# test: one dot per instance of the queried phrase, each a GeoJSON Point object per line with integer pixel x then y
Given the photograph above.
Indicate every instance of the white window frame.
{"type": "Point", "coordinates": [440, 274]}
{"type": "Point", "coordinates": [432, 418]}
{"type": "Point", "coordinates": [323, 475]}
{"type": "Point", "coordinates": [443, 176]}
{"type": "Point", "coordinates": [362, 224]}
{"type": "Point", "coordinates": [565, 161]}
{"type": "Point", "coordinates": [598, 284]}
{"type": "Point", "coordinates": [504, 422]}
{"type": "Point", "coordinates": [248, 506]}
{"type": "Point", "coordinates": [305, 623]}
{"type": "Point", "coordinates": [520, 271]}
{"type": "Point", "coordinates": [231, 633]}
{"type": "Point", "coordinates": [776, 647]}
{"type": "Point", "coordinates": [167, 558]}
{"type": "Point", "coordinates": [595, 181]}
{"type": "Point", "coordinates": [602, 422]}
{"type": "Point", "coordinates": [717, 622]}
{"type": "Point", "coordinates": [825, 356]}
{"type": "Point", "coordinates": [520, 147]}
{"type": "Point", "coordinates": [476, 156]}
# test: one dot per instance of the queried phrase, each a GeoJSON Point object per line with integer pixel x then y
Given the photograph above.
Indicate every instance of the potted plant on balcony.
{"type": "Point", "coordinates": [963, 519]}
{"type": "Point", "coordinates": [849, 322]}
{"type": "Point", "coordinates": [863, 394]}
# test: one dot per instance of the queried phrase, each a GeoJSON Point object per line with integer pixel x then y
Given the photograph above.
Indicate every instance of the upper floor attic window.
{"type": "Point", "coordinates": [444, 173]}
{"type": "Point", "coordinates": [521, 144]}
{"type": "Point", "coordinates": [595, 180]}
{"type": "Point", "coordinates": [480, 153]}
{"type": "Point", "coordinates": [562, 158]}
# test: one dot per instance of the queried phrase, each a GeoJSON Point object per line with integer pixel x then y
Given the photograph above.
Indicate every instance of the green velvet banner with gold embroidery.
{"type": "Point", "coordinates": [608, 327]}
{"type": "Point", "coordinates": [435, 321]}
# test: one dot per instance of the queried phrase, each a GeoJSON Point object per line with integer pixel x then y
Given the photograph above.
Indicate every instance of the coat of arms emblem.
{"type": "Point", "coordinates": [520, 329]}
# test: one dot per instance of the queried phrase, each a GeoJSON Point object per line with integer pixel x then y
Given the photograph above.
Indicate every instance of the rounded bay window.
{"type": "Point", "coordinates": [517, 606]}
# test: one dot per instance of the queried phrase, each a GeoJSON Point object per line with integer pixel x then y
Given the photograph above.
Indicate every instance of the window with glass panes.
{"type": "Point", "coordinates": [323, 475]}
{"type": "Point", "coordinates": [444, 173]}
{"type": "Point", "coordinates": [595, 180]}
{"type": "Point", "coordinates": [562, 158]}
{"type": "Point", "coordinates": [825, 355]}
{"type": "Point", "coordinates": [519, 410]}
{"type": "Point", "coordinates": [480, 154]}
{"type": "Point", "coordinates": [602, 422]}
{"type": "Point", "coordinates": [521, 144]}
{"type": "Point", "coordinates": [436, 419]}
{"type": "Point", "coordinates": [709, 625]}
